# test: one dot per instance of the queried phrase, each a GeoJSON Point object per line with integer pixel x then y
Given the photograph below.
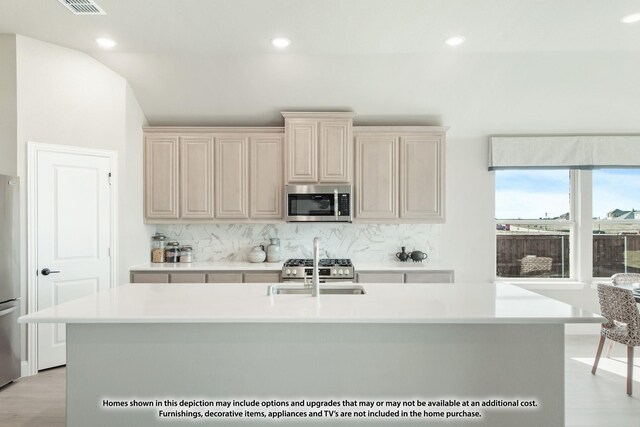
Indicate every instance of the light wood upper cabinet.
{"type": "Point", "coordinates": [266, 177]}
{"type": "Point", "coordinates": [196, 177]}
{"type": "Point", "coordinates": [232, 177]}
{"type": "Point", "coordinates": [238, 174]}
{"type": "Point", "coordinates": [213, 174]}
{"type": "Point", "coordinates": [336, 151]}
{"type": "Point", "coordinates": [421, 186]}
{"type": "Point", "coordinates": [319, 147]}
{"type": "Point", "coordinates": [302, 149]}
{"type": "Point", "coordinates": [376, 191]}
{"type": "Point", "coordinates": [400, 173]}
{"type": "Point", "coordinates": [161, 177]}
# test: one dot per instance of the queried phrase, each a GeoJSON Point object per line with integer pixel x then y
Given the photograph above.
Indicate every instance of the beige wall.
{"type": "Point", "coordinates": [66, 97]}
{"type": "Point", "coordinates": [8, 152]}
{"type": "Point", "coordinates": [133, 235]}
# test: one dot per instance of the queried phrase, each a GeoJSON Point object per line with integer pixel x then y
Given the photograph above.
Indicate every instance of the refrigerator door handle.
{"type": "Point", "coordinates": [8, 310]}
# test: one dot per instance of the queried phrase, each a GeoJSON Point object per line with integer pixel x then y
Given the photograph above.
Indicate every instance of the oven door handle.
{"type": "Point", "coordinates": [335, 204]}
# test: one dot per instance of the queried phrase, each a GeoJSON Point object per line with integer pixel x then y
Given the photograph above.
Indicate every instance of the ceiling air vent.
{"type": "Point", "coordinates": [83, 7]}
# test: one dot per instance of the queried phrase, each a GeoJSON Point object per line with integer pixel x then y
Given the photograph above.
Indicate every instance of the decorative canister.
{"type": "Point", "coordinates": [273, 251]}
{"type": "Point", "coordinates": [257, 254]}
{"type": "Point", "coordinates": [418, 256]}
{"type": "Point", "coordinates": [403, 256]}
{"type": "Point", "coordinates": [157, 247]}
{"type": "Point", "coordinates": [186, 253]}
{"type": "Point", "coordinates": [172, 252]}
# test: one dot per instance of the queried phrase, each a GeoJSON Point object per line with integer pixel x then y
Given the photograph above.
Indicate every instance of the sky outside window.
{"type": "Point", "coordinates": [615, 189]}
{"type": "Point", "coordinates": [532, 194]}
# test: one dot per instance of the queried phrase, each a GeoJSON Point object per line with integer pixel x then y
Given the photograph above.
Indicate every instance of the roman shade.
{"type": "Point", "coordinates": [564, 152]}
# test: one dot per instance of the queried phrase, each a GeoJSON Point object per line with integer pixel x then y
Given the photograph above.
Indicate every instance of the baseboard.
{"type": "Point", "coordinates": [582, 329]}
{"type": "Point", "coordinates": [24, 369]}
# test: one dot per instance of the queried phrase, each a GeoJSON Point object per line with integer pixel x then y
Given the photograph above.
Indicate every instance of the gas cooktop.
{"type": "Point", "coordinates": [330, 262]}
{"type": "Point", "coordinates": [328, 269]}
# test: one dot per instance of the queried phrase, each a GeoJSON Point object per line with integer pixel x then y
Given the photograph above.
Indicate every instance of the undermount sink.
{"type": "Point", "coordinates": [290, 289]}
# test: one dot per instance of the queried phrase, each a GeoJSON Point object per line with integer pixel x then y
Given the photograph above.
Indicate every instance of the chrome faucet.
{"type": "Point", "coordinates": [315, 279]}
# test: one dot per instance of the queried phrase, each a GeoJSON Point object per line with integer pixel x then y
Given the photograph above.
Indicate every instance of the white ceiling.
{"type": "Point", "coordinates": [210, 61]}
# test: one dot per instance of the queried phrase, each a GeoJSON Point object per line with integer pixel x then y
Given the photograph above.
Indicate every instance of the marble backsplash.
{"type": "Point", "coordinates": [360, 242]}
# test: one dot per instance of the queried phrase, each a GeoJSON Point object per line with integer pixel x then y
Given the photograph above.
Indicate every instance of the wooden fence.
{"type": "Point", "coordinates": [608, 253]}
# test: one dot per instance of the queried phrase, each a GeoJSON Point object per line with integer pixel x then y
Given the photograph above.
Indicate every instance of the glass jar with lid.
{"type": "Point", "coordinates": [186, 253]}
{"type": "Point", "coordinates": [172, 251]}
{"type": "Point", "coordinates": [157, 247]}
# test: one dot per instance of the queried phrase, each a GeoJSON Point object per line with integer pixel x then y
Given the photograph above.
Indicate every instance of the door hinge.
{"type": "Point", "coordinates": [109, 252]}
{"type": "Point", "coordinates": [109, 178]}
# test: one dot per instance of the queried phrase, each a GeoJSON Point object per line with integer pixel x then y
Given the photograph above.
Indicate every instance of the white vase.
{"type": "Point", "coordinates": [257, 254]}
{"type": "Point", "coordinates": [273, 251]}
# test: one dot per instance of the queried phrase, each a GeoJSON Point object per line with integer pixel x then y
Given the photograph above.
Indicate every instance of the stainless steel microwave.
{"type": "Point", "coordinates": [318, 203]}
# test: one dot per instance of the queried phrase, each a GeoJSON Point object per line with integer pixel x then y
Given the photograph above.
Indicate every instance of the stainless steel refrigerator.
{"type": "Point", "coordinates": [9, 280]}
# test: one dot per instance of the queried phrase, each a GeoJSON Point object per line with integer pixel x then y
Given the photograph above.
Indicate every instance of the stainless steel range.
{"type": "Point", "coordinates": [329, 270]}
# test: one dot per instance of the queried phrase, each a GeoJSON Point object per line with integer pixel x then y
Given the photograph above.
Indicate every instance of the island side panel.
{"type": "Point", "coordinates": [317, 360]}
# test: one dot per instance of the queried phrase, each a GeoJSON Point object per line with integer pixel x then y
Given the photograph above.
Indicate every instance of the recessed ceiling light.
{"type": "Point", "coordinates": [455, 40]}
{"type": "Point", "coordinates": [105, 42]}
{"type": "Point", "coordinates": [281, 42]}
{"type": "Point", "coordinates": [630, 19]}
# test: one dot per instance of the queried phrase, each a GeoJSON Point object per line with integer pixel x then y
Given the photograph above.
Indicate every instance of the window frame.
{"type": "Point", "coordinates": [572, 224]}
{"type": "Point", "coordinates": [595, 222]}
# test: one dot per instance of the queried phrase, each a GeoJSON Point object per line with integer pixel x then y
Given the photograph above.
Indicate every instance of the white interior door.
{"type": "Point", "coordinates": [73, 238]}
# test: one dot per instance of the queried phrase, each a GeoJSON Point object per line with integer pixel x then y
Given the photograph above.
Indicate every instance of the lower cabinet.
{"type": "Point", "coordinates": [149, 278]}
{"type": "Point", "coordinates": [430, 277]}
{"type": "Point", "coordinates": [435, 276]}
{"type": "Point", "coordinates": [224, 278]}
{"type": "Point", "coordinates": [206, 277]}
{"type": "Point", "coordinates": [262, 277]}
{"type": "Point", "coordinates": [380, 277]}
{"type": "Point", "coordinates": [186, 278]}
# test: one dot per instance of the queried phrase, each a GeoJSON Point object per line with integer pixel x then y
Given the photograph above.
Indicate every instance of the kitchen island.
{"type": "Point", "coordinates": [489, 354]}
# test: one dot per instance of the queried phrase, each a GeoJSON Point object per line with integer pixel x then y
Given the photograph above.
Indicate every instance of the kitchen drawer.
{"type": "Point", "coordinates": [149, 278]}
{"type": "Point", "coordinates": [429, 277]}
{"type": "Point", "coordinates": [262, 277]}
{"type": "Point", "coordinates": [380, 277]}
{"type": "Point", "coordinates": [186, 278]}
{"type": "Point", "coordinates": [224, 278]}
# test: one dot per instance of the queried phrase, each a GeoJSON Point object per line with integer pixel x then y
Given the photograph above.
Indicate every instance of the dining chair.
{"type": "Point", "coordinates": [618, 306]}
{"type": "Point", "coordinates": [625, 279]}
{"type": "Point", "coordinates": [532, 265]}
{"type": "Point", "coordinates": [622, 279]}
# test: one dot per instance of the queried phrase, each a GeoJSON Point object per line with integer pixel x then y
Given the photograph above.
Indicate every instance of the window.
{"type": "Point", "coordinates": [534, 223]}
{"type": "Point", "coordinates": [616, 223]}
{"type": "Point", "coordinates": [597, 232]}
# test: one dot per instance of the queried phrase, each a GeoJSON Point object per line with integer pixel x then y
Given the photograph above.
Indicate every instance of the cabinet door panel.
{"type": "Point", "coordinates": [380, 277]}
{"type": "Point", "coordinates": [261, 277]}
{"type": "Point", "coordinates": [420, 178]}
{"type": "Point", "coordinates": [266, 177]}
{"type": "Point", "coordinates": [224, 278]}
{"type": "Point", "coordinates": [336, 148]}
{"type": "Point", "coordinates": [232, 190]}
{"type": "Point", "coordinates": [430, 277]}
{"type": "Point", "coordinates": [149, 278]}
{"type": "Point", "coordinates": [161, 177]}
{"type": "Point", "coordinates": [376, 177]}
{"type": "Point", "coordinates": [196, 177]}
{"type": "Point", "coordinates": [186, 278]}
{"type": "Point", "coordinates": [302, 151]}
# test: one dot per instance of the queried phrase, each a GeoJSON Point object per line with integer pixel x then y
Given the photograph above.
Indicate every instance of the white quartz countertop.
{"type": "Point", "coordinates": [208, 266]}
{"type": "Point", "coordinates": [399, 266]}
{"type": "Point", "coordinates": [277, 266]}
{"type": "Point", "coordinates": [248, 303]}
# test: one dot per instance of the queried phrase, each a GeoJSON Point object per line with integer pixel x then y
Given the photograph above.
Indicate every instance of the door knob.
{"type": "Point", "coordinates": [46, 271]}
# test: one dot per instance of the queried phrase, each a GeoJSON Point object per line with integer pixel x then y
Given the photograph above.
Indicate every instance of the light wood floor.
{"type": "Point", "coordinates": [591, 401]}
{"type": "Point", "coordinates": [36, 401]}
